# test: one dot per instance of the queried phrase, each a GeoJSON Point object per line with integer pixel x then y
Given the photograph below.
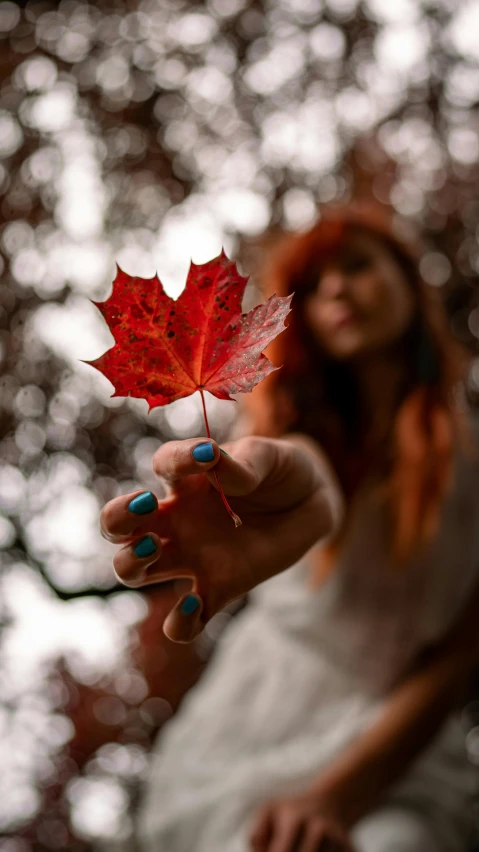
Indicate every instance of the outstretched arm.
{"type": "Point", "coordinates": [410, 719]}
{"type": "Point", "coordinates": [351, 787]}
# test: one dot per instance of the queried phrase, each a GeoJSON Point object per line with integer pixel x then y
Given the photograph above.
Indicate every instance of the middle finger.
{"type": "Point", "coordinates": [131, 514]}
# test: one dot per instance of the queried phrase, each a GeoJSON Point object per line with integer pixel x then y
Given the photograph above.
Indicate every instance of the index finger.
{"type": "Point", "coordinates": [251, 462]}
{"type": "Point", "coordinates": [175, 460]}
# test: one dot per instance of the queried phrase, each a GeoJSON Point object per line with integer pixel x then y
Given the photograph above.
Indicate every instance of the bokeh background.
{"type": "Point", "coordinates": [150, 132]}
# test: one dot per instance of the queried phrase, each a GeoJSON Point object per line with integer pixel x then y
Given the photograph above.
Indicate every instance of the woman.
{"type": "Point", "coordinates": [327, 718]}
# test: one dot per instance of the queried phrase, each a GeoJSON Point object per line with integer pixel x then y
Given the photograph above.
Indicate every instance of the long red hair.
{"type": "Point", "coordinates": [313, 394]}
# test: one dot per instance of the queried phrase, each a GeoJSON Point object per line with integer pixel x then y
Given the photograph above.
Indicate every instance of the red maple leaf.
{"type": "Point", "coordinates": [166, 349]}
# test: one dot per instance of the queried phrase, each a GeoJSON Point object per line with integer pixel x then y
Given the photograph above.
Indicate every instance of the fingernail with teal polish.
{"type": "Point", "coordinates": [225, 453]}
{"type": "Point", "coordinates": [142, 504]}
{"type": "Point", "coordinates": [204, 452]}
{"type": "Point", "coordinates": [145, 547]}
{"type": "Point", "coordinates": [190, 604]}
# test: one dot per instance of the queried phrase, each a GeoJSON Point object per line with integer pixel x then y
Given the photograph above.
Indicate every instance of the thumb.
{"type": "Point", "coordinates": [184, 623]}
{"type": "Point", "coordinates": [248, 462]}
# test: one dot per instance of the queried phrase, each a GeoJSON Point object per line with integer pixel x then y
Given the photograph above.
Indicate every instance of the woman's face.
{"type": "Point", "coordinates": [362, 301]}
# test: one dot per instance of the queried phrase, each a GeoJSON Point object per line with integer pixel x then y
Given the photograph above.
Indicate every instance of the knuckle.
{"type": "Point", "coordinates": [167, 459]}
{"type": "Point", "coordinates": [249, 444]}
{"type": "Point", "coordinates": [257, 446]}
{"type": "Point", "coordinates": [249, 449]}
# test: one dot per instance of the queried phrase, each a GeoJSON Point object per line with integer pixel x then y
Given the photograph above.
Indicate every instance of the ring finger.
{"type": "Point", "coordinates": [132, 561]}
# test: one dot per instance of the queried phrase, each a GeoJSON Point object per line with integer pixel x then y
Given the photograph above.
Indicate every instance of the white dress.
{"type": "Point", "coordinates": [298, 674]}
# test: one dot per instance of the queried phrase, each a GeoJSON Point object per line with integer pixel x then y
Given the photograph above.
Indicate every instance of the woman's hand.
{"type": "Point", "coordinates": [297, 824]}
{"type": "Point", "coordinates": [277, 488]}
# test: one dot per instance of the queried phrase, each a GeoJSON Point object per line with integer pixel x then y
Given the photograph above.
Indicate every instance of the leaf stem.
{"type": "Point", "coordinates": [233, 515]}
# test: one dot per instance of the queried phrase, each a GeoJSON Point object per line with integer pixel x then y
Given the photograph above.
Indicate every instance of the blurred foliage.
{"type": "Point", "coordinates": [143, 132]}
